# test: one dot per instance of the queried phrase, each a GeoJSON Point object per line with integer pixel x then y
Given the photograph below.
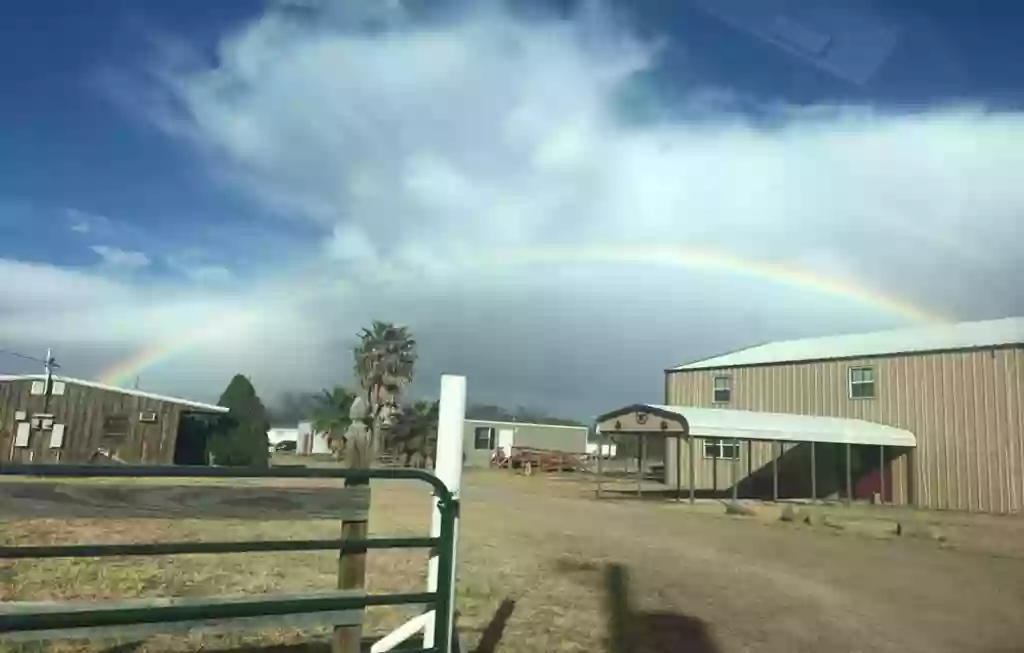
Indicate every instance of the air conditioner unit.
{"type": "Point", "coordinates": [148, 417]}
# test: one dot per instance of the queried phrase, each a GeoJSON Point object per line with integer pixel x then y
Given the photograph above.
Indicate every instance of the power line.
{"type": "Point", "coordinates": [44, 361]}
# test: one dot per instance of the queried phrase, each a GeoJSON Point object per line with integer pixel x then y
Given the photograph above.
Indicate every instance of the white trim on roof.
{"type": "Point", "coordinates": [946, 337]}
{"type": "Point", "coordinates": [100, 386]}
{"type": "Point", "coordinates": [502, 423]}
{"type": "Point", "coordinates": [785, 427]}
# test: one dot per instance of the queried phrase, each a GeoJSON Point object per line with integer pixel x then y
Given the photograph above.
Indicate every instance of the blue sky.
{"type": "Point", "coordinates": [255, 179]}
{"type": "Point", "coordinates": [71, 144]}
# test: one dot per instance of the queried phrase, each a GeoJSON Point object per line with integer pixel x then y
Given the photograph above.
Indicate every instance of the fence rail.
{"type": "Point", "coordinates": [342, 608]}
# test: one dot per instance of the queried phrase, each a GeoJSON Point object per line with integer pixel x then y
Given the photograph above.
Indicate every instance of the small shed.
{"type": "Point", "coordinates": [58, 419]}
{"type": "Point", "coordinates": [482, 438]}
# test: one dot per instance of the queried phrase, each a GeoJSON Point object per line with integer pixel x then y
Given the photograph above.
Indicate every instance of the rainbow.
{"type": "Point", "coordinates": [124, 372]}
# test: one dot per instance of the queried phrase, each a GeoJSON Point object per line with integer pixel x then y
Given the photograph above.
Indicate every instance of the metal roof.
{"type": "Point", "coordinates": [198, 405]}
{"type": "Point", "coordinates": [781, 427]}
{"type": "Point", "coordinates": [945, 337]}
{"type": "Point", "coordinates": [507, 423]}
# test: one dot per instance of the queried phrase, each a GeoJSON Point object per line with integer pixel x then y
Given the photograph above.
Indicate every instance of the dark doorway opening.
{"type": "Point", "coordinates": [192, 442]}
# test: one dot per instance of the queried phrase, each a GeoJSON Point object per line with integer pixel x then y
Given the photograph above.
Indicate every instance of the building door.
{"type": "Point", "coordinates": [505, 439]}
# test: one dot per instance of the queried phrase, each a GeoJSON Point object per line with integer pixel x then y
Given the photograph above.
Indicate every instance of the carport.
{"type": "Point", "coordinates": [686, 423]}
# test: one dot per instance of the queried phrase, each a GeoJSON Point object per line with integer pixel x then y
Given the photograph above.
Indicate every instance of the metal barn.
{"type": "Point", "coordinates": [958, 388]}
{"type": "Point", "coordinates": [75, 421]}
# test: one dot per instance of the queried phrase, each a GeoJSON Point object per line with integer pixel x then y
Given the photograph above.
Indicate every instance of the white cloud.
{"type": "Point", "coordinates": [194, 265]}
{"type": "Point", "coordinates": [83, 222]}
{"type": "Point", "coordinates": [118, 258]}
{"type": "Point", "coordinates": [426, 151]}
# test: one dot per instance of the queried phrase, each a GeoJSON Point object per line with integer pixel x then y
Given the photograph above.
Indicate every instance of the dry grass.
{"type": "Point", "coordinates": [542, 550]}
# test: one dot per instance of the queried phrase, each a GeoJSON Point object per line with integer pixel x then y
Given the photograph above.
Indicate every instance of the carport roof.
{"type": "Point", "coordinates": [753, 425]}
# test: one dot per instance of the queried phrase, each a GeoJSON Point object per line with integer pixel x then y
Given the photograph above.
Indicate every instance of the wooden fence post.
{"type": "Point", "coordinates": [352, 563]}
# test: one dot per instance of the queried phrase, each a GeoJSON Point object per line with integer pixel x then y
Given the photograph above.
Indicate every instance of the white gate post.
{"type": "Point", "coordinates": [448, 468]}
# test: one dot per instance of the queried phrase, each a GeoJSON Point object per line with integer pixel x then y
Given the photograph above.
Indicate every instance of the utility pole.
{"type": "Point", "coordinates": [48, 366]}
{"type": "Point", "coordinates": [136, 382]}
{"type": "Point", "coordinates": [48, 388]}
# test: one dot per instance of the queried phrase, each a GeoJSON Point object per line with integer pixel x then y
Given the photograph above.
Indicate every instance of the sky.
{"type": "Point", "coordinates": [560, 199]}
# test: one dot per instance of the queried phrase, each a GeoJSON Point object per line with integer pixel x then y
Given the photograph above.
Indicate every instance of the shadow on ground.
{"type": "Point", "coordinates": [635, 631]}
{"type": "Point", "coordinates": [488, 642]}
{"type": "Point", "coordinates": [491, 635]}
{"type": "Point", "coordinates": [631, 631]}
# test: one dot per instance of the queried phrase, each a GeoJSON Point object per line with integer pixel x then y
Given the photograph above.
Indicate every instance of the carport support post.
{"type": "Point", "coordinates": [881, 473]}
{"type": "Point", "coordinates": [678, 467]}
{"type": "Point", "coordinates": [693, 467]}
{"type": "Point", "coordinates": [849, 474]}
{"type": "Point", "coordinates": [640, 464]}
{"type": "Point", "coordinates": [814, 475]}
{"type": "Point", "coordinates": [735, 464]}
{"type": "Point", "coordinates": [775, 470]}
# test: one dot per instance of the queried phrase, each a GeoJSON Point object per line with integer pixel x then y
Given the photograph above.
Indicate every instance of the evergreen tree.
{"type": "Point", "coordinates": [241, 438]}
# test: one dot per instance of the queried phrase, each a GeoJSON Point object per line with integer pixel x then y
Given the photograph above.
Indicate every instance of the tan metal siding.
{"type": "Point", "coordinates": [964, 407]}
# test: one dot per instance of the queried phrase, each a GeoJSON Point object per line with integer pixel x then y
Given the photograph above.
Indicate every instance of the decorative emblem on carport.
{"type": "Point", "coordinates": [641, 417]}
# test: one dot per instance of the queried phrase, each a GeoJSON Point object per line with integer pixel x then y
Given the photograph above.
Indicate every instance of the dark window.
{"type": "Point", "coordinates": [723, 389]}
{"type": "Point", "coordinates": [116, 427]}
{"type": "Point", "coordinates": [862, 382]}
{"type": "Point", "coordinates": [483, 437]}
{"type": "Point", "coordinates": [718, 448]}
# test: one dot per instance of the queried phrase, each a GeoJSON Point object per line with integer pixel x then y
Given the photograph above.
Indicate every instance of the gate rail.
{"type": "Point", "coordinates": [29, 618]}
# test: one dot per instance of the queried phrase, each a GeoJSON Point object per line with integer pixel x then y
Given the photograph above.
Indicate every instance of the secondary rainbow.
{"type": "Point", "coordinates": [124, 372]}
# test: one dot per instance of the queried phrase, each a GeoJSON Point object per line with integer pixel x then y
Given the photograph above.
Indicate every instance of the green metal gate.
{"type": "Point", "coordinates": [29, 619]}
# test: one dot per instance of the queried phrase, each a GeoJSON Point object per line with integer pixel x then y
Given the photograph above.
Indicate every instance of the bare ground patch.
{"type": "Point", "coordinates": [543, 567]}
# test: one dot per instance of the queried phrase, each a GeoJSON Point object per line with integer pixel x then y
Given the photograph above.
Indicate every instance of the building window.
{"type": "Point", "coordinates": [719, 448]}
{"type": "Point", "coordinates": [862, 382]}
{"type": "Point", "coordinates": [57, 436]}
{"type": "Point", "coordinates": [21, 437]}
{"type": "Point", "coordinates": [723, 389]}
{"type": "Point", "coordinates": [116, 427]}
{"type": "Point", "coordinates": [483, 437]}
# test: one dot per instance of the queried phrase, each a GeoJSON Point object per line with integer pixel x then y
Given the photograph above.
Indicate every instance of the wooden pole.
{"type": "Point", "coordinates": [352, 564]}
{"type": "Point", "coordinates": [600, 456]}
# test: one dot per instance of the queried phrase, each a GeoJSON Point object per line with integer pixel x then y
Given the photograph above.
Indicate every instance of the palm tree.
{"type": "Point", "coordinates": [385, 359]}
{"type": "Point", "coordinates": [331, 416]}
{"type": "Point", "coordinates": [412, 434]}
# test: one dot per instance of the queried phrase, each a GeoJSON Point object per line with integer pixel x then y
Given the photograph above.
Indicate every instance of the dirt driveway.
{"type": "Point", "coordinates": [704, 582]}
{"type": "Point", "coordinates": [545, 568]}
